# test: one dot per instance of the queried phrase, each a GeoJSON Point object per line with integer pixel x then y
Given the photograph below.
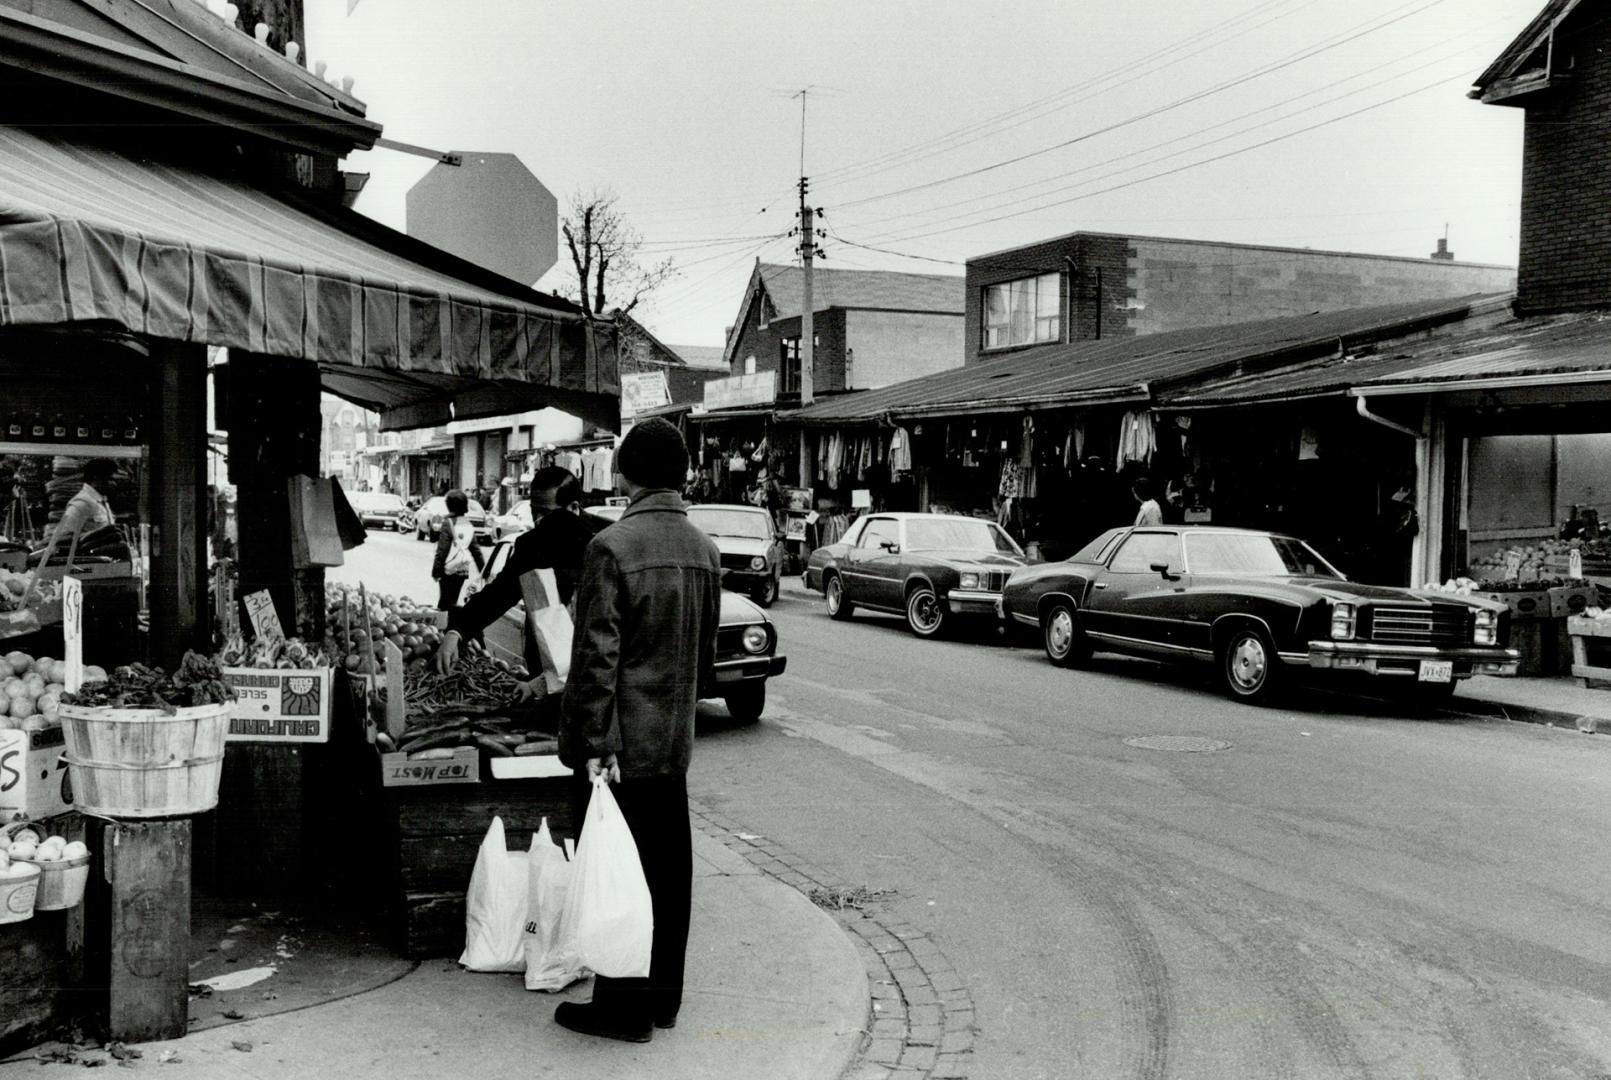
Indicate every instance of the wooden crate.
{"type": "Point", "coordinates": [1591, 650]}
{"type": "Point", "coordinates": [439, 830]}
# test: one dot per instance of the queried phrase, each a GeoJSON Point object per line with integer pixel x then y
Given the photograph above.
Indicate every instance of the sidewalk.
{"type": "Point", "coordinates": [775, 989]}
{"type": "Point", "coordinates": [1557, 700]}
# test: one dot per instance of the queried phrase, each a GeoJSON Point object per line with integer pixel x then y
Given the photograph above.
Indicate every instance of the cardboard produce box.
{"type": "Point", "coordinates": [1567, 600]}
{"type": "Point", "coordinates": [280, 705]}
{"type": "Point", "coordinates": [33, 776]}
{"type": "Point", "coordinates": [464, 767]}
{"type": "Point", "coordinates": [1524, 605]}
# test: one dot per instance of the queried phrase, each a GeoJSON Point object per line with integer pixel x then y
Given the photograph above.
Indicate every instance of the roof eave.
{"type": "Point", "coordinates": [60, 52]}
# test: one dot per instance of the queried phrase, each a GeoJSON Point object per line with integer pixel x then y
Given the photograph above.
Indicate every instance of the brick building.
{"type": "Point", "coordinates": [1559, 71]}
{"type": "Point", "coordinates": [1087, 286]}
{"type": "Point", "coordinates": [872, 327]}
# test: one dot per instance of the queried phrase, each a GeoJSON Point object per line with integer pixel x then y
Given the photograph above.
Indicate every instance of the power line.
{"type": "Point", "coordinates": [1144, 115]}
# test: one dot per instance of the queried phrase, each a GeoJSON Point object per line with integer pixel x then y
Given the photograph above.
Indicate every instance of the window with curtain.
{"type": "Point", "coordinates": [1023, 312]}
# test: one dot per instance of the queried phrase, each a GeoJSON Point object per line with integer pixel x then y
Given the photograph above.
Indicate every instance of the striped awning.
{"type": "Point", "coordinates": [90, 232]}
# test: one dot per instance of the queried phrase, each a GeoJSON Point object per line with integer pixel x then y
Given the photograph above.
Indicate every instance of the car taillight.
{"type": "Point", "coordinates": [1342, 621]}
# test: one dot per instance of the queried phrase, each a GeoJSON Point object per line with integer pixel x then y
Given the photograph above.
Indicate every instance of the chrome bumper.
{"type": "Point", "coordinates": [1373, 658]}
{"type": "Point", "coordinates": [973, 602]}
{"type": "Point", "coordinates": [754, 667]}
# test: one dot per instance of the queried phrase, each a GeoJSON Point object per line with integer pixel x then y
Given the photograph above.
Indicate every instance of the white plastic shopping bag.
{"type": "Point", "coordinates": [495, 910]}
{"type": "Point", "coordinates": [550, 963]}
{"type": "Point", "coordinates": [550, 624]}
{"type": "Point", "coordinates": [609, 918]}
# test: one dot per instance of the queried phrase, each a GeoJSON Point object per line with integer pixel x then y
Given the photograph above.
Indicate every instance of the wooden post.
{"type": "Point", "coordinates": [177, 595]}
{"type": "Point", "coordinates": [148, 867]}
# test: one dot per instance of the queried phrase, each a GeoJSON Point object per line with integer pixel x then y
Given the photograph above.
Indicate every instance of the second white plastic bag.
{"type": "Point", "coordinates": [551, 963]}
{"type": "Point", "coordinates": [609, 917]}
{"type": "Point", "coordinates": [495, 909]}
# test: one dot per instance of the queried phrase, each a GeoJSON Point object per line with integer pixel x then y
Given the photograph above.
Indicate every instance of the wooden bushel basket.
{"type": "Point", "coordinates": [145, 763]}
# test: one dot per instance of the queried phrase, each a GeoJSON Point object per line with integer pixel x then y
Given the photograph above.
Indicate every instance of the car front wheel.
{"type": "Point", "coordinates": [925, 612]}
{"type": "Point", "coordinates": [745, 704]}
{"type": "Point", "coordinates": [1249, 666]}
{"type": "Point", "coordinates": [1061, 636]}
{"type": "Point", "coordinates": [833, 592]}
{"type": "Point", "coordinates": [766, 595]}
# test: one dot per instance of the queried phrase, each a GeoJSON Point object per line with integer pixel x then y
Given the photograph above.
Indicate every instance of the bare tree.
{"type": "Point", "coordinates": [606, 254]}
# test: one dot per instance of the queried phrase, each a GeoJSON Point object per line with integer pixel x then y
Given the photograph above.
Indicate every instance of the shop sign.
{"type": "Point", "coordinates": [33, 774]}
{"type": "Point", "coordinates": [735, 391]}
{"type": "Point", "coordinates": [642, 391]}
{"type": "Point", "coordinates": [861, 499]}
{"type": "Point", "coordinates": [279, 706]}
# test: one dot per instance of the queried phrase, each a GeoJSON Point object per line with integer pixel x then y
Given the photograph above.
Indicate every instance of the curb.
{"type": "Point", "coordinates": [1531, 714]}
{"type": "Point", "coordinates": [922, 1023]}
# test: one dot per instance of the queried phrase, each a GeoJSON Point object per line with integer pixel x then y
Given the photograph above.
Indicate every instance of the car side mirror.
{"type": "Point", "coordinates": [1162, 568]}
{"type": "Point", "coordinates": [891, 546]}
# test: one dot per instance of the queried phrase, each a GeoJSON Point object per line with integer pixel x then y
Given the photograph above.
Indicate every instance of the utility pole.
{"type": "Point", "coordinates": [808, 251]}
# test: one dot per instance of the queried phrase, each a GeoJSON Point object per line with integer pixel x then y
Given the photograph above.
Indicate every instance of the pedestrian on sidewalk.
{"type": "Point", "coordinates": [556, 541]}
{"type": "Point", "coordinates": [456, 552]}
{"type": "Point", "coordinates": [647, 608]}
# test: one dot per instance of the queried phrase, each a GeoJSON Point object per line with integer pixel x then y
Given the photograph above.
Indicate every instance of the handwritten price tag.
{"type": "Point", "coordinates": [1574, 564]}
{"type": "Point", "coordinates": [260, 610]}
{"type": "Point", "coordinates": [73, 632]}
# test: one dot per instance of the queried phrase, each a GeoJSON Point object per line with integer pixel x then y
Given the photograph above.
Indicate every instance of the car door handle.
{"type": "Point", "coordinates": [1099, 585]}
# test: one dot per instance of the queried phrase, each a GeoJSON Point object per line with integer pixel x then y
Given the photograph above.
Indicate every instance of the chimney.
{"type": "Point", "coordinates": [1443, 253]}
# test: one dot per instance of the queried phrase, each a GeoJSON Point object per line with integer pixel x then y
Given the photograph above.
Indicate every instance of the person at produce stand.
{"type": "Point", "coordinates": [647, 608]}
{"type": "Point", "coordinates": [456, 552]}
{"type": "Point", "coordinates": [556, 540]}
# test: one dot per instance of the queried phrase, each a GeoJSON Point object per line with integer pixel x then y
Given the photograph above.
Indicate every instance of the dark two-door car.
{"type": "Point", "coordinates": [927, 567]}
{"type": "Point", "coordinates": [1259, 606]}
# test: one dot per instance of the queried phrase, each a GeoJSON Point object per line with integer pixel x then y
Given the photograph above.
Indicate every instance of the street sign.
{"type": "Point", "coordinates": [490, 210]}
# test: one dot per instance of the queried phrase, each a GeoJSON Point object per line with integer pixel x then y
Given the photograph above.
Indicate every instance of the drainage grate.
{"type": "Point", "coordinates": [1184, 744]}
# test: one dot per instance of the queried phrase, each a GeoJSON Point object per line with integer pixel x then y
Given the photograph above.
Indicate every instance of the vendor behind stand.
{"type": "Point", "coordinates": [86, 511]}
{"type": "Point", "coordinates": [556, 540]}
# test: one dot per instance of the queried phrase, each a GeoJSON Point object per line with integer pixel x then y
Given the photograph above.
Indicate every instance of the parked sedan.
{"type": "Point", "coordinates": [746, 647]}
{"type": "Point", "coordinates": [1259, 606]}
{"type": "Point", "coordinates": [750, 544]}
{"type": "Point", "coordinates": [516, 521]}
{"type": "Point", "coordinates": [927, 567]}
{"type": "Point", "coordinates": [379, 510]}
{"type": "Point", "coordinates": [429, 517]}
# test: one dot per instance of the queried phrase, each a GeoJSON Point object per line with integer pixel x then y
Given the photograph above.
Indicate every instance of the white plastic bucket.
{"type": "Point", "coordinates": [18, 893]}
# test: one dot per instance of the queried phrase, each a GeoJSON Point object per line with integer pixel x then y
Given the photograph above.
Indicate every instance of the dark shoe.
{"type": "Point", "coordinates": [589, 1019]}
{"type": "Point", "coordinates": [664, 1022]}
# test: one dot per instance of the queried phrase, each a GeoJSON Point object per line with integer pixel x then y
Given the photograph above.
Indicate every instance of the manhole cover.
{"type": "Point", "coordinates": [1185, 744]}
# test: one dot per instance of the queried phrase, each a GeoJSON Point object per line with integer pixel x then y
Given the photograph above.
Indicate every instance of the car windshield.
{"type": "Point", "coordinates": [1094, 551]}
{"type": "Point", "coordinates": [1251, 555]}
{"type": "Point", "coordinates": [374, 500]}
{"type": "Point", "coordinates": [938, 534]}
{"type": "Point", "coordinates": [732, 521]}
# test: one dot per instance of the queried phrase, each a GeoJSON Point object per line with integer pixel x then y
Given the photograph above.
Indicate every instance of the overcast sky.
{"type": "Point", "coordinates": [945, 130]}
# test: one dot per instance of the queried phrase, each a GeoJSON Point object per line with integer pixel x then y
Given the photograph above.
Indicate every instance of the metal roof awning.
{"type": "Point", "coordinates": [1132, 369]}
{"type": "Point", "coordinates": [90, 232]}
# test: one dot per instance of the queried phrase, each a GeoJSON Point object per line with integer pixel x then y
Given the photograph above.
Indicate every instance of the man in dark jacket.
{"type": "Point", "coordinates": [647, 610]}
{"type": "Point", "coordinates": [556, 540]}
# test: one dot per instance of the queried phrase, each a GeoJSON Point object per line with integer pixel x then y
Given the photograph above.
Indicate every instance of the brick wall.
{"type": "Point", "coordinates": [767, 346]}
{"type": "Point", "coordinates": [1566, 181]}
{"type": "Point", "coordinates": [1150, 284]}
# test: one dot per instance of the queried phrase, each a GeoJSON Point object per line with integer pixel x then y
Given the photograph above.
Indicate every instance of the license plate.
{"type": "Point", "coordinates": [1436, 671]}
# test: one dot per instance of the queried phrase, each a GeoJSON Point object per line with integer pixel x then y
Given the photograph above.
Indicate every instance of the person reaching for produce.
{"type": "Point", "coordinates": [647, 607]}
{"type": "Point", "coordinates": [556, 540]}
{"type": "Point", "coordinates": [456, 552]}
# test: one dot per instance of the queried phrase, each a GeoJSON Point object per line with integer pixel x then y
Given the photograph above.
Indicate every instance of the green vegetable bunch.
{"type": "Point", "coordinates": [198, 681]}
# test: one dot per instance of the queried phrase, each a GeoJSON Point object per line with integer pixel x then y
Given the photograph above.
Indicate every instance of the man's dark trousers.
{"type": "Point", "coordinates": [655, 808]}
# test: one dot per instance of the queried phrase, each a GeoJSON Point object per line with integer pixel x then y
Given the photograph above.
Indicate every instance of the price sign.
{"type": "Point", "coordinates": [1574, 564]}
{"type": "Point", "coordinates": [1513, 561]}
{"type": "Point", "coordinates": [260, 610]}
{"type": "Point", "coordinates": [73, 632]}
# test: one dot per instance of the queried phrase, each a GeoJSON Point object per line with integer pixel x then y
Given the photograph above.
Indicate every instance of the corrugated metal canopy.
{"type": "Point", "coordinates": [1551, 350]}
{"type": "Point", "coordinates": [95, 233]}
{"type": "Point", "coordinates": [1130, 368]}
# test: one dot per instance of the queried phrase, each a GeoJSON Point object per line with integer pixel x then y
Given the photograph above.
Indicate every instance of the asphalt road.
{"type": "Point", "coordinates": [1344, 890]}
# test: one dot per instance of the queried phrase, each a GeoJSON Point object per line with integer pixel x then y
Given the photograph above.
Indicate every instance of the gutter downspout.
{"type": "Point", "coordinates": [1420, 571]}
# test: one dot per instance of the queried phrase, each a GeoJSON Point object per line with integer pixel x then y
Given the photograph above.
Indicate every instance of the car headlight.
{"type": "Point", "coordinates": [756, 639]}
{"type": "Point", "coordinates": [758, 562]}
{"type": "Point", "coordinates": [1342, 621]}
{"type": "Point", "coordinates": [969, 581]}
{"type": "Point", "coordinates": [1486, 629]}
